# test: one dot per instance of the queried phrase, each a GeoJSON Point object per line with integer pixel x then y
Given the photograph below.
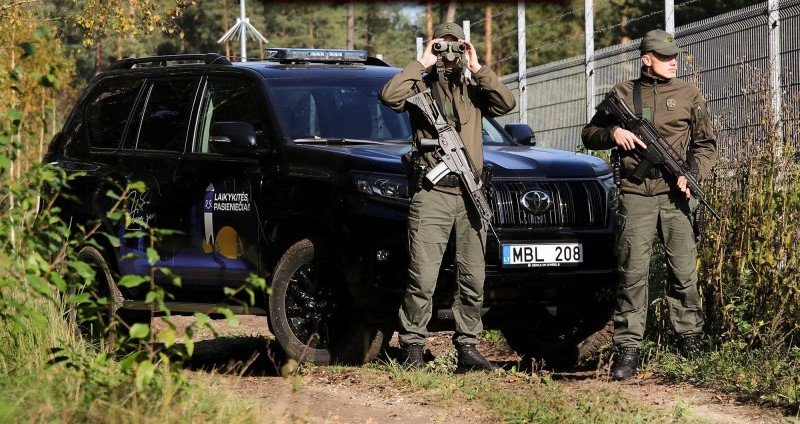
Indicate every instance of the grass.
{"type": "Point", "coordinates": [78, 383]}
{"type": "Point", "coordinates": [514, 397]}
{"type": "Point", "coordinates": [764, 376]}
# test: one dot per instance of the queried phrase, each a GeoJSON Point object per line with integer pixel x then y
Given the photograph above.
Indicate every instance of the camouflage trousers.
{"type": "Point", "coordinates": [433, 216]}
{"type": "Point", "coordinates": [640, 219]}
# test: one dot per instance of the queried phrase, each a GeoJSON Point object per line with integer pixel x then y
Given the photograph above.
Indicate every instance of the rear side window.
{"type": "Point", "coordinates": [166, 115]}
{"type": "Point", "coordinates": [107, 114]}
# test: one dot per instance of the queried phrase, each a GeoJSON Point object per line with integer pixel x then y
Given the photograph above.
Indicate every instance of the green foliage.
{"type": "Point", "coordinates": [45, 289]}
{"type": "Point", "coordinates": [749, 263]}
{"type": "Point", "coordinates": [757, 375]}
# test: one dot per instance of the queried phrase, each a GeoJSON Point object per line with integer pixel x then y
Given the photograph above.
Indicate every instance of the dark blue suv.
{"type": "Point", "coordinates": [290, 169]}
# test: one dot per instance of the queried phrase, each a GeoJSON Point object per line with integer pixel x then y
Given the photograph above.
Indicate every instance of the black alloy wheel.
{"type": "Point", "coordinates": [311, 313]}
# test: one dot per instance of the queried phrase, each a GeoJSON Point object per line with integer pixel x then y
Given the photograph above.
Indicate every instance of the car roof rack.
{"type": "Point", "coordinates": [207, 58]}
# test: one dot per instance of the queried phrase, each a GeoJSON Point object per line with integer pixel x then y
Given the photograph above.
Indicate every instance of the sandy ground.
{"type": "Point", "coordinates": [243, 354]}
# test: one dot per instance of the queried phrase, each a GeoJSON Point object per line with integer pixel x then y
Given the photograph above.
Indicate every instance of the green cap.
{"type": "Point", "coordinates": [448, 28]}
{"type": "Point", "coordinates": [659, 41]}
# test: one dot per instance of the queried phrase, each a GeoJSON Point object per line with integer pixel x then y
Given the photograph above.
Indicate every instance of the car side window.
{"type": "Point", "coordinates": [226, 100]}
{"type": "Point", "coordinates": [166, 116]}
{"type": "Point", "coordinates": [106, 116]}
{"type": "Point", "coordinates": [491, 135]}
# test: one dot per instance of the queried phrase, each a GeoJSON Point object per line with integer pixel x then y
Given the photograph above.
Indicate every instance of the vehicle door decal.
{"type": "Point", "coordinates": [226, 209]}
{"type": "Point", "coordinates": [208, 220]}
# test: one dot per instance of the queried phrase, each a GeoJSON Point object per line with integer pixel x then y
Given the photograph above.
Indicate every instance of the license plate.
{"type": "Point", "coordinates": [536, 255]}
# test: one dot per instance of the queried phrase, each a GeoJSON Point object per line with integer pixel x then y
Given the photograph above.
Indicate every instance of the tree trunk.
{"type": "Point", "coordinates": [451, 11]}
{"type": "Point", "coordinates": [428, 21]}
{"type": "Point", "coordinates": [226, 24]}
{"type": "Point", "coordinates": [98, 59]}
{"type": "Point", "coordinates": [351, 26]}
{"type": "Point", "coordinates": [488, 35]}
{"type": "Point", "coordinates": [370, 13]}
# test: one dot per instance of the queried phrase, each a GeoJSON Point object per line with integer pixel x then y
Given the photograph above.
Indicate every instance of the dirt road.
{"type": "Point", "coordinates": [241, 357]}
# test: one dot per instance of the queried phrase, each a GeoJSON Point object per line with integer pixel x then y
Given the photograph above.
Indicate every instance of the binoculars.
{"type": "Point", "coordinates": [449, 50]}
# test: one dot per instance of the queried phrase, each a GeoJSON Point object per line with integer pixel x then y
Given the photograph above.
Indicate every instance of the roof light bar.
{"type": "Point", "coordinates": [317, 55]}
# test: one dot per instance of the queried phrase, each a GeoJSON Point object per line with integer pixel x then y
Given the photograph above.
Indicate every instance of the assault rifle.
{"type": "Point", "coordinates": [657, 152]}
{"type": "Point", "coordinates": [452, 153]}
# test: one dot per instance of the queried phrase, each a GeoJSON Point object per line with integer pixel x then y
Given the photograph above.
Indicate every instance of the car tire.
{"type": "Point", "coordinates": [561, 342]}
{"type": "Point", "coordinates": [106, 323]}
{"type": "Point", "coordinates": [593, 344]}
{"type": "Point", "coordinates": [311, 313]}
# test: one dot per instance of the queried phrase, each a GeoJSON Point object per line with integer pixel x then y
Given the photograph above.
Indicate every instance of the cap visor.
{"type": "Point", "coordinates": [669, 51]}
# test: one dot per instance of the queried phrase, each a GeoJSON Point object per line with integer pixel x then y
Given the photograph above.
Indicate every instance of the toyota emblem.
{"type": "Point", "coordinates": [536, 202]}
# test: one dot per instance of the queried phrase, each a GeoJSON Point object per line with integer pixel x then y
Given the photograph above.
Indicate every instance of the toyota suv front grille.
{"type": "Point", "coordinates": [548, 204]}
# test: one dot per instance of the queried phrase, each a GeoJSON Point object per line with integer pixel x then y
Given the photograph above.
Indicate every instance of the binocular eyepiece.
{"type": "Point", "coordinates": [452, 46]}
{"type": "Point", "coordinates": [449, 50]}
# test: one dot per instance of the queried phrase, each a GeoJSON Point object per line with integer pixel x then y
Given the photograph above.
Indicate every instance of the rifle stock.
{"type": "Point", "coordinates": [657, 152]}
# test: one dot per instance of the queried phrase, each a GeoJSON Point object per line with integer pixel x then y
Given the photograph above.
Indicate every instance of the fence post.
{"type": "Point", "coordinates": [465, 25]}
{"type": "Point", "coordinates": [522, 63]}
{"type": "Point", "coordinates": [419, 48]}
{"type": "Point", "coordinates": [669, 16]}
{"type": "Point", "coordinates": [775, 64]}
{"type": "Point", "coordinates": [588, 9]}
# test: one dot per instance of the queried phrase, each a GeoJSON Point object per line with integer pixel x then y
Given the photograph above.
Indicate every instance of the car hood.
{"type": "Point", "coordinates": [506, 161]}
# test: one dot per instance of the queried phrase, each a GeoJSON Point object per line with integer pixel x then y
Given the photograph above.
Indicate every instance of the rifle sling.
{"type": "Point", "coordinates": [637, 98]}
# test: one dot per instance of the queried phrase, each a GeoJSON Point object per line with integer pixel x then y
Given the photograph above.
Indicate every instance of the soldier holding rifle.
{"type": "Point", "coordinates": [436, 210]}
{"type": "Point", "coordinates": [658, 203]}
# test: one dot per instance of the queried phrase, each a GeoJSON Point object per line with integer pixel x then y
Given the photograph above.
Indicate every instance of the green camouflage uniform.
{"type": "Point", "coordinates": [656, 206]}
{"type": "Point", "coordinates": [440, 210]}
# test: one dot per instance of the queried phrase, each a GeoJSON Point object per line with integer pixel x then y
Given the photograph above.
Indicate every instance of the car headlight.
{"type": "Point", "coordinates": [382, 186]}
{"type": "Point", "coordinates": [612, 191]}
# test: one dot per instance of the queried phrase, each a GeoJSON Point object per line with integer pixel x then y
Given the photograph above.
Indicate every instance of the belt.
{"type": "Point", "coordinates": [450, 180]}
{"type": "Point", "coordinates": [655, 173]}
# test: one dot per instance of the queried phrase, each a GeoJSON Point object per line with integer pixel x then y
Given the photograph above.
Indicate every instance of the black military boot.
{"type": "Point", "coordinates": [689, 345]}
{"type": "Point", "coordinates": [469, 359]}
{"type": "Point", "coordinates": [626, 363]}
{"type": "Point", "coordinates": [413, 357]}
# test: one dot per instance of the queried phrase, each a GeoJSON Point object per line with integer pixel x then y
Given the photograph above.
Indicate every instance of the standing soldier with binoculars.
{"type": "Point", "coordinates": [438, 210]}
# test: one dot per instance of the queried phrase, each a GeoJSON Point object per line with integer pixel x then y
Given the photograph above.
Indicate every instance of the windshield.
{"type": "Point", "coordinates": [347, 108]}
{"type": "Point", "coordinates": [338, 108]}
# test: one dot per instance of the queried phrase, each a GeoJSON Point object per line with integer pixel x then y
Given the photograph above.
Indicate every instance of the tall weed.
{"type": "Point", "coordinates": [749, 262]}
{"type": "Point", "coordinates": [748, 267]}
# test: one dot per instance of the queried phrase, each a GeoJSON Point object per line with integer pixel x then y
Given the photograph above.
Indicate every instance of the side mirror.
{"type": "Point", "coordinates": [232, 138]}
{"type": "Point", "coordinates": [521, 133]}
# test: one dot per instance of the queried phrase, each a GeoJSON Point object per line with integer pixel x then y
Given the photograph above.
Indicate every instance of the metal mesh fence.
{"type": "Point", "coordinates": [726, 55]}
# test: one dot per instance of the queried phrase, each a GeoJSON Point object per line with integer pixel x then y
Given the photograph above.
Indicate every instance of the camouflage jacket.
{"type": "Point", "coordinates": [486, 96]}
{"type": "Point", "coordinates": [678, 111]}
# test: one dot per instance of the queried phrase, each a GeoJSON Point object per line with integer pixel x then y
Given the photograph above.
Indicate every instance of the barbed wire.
{"type": "Point", "coordinates": [548, 20]}
{"type": "Point", "coordinates": [502, 12]}
{"type": "Point", "coordinates": [598, 31]}
{"type": "Point", "coordinates": [545, 21]}
{"type": "Point", "coordinates": [539, 22]}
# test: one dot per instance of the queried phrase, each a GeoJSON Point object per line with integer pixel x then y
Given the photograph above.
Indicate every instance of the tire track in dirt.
{"type": "Point", "coordinates": [325, 395]}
